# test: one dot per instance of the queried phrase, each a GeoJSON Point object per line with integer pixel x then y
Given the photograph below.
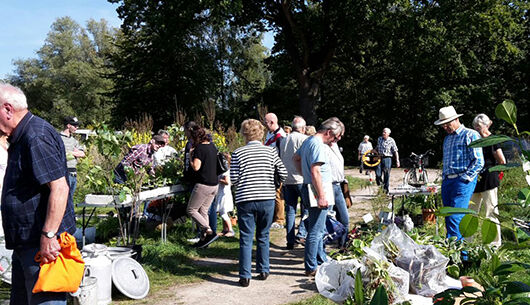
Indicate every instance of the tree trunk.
{"type": "Point", "coordinates": [308, 94]}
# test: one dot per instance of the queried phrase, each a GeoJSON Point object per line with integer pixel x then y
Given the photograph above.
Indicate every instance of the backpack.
{"type": "Point", "coordinates": [222, 163]}
{"type": "Point", "coordinates": [335, 230]}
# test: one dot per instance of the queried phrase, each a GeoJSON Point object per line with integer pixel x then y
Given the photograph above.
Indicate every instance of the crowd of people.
{"type": "Point", "coordinates": [270, 177]}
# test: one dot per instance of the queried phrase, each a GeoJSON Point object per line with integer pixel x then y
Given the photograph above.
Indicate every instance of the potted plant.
{"type": "Point", "coordinates": [428, 208]}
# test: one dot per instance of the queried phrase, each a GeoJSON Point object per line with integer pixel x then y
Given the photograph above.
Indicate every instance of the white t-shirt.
{"type": "Point", "coordinates": [224, 199]}
{"type": "Point", "coordinates": [163, 154]}
{"type": "Point", "coordinates": [364, 147]}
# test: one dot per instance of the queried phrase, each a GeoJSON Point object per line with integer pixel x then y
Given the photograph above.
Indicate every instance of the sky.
{"type": "Point", "coordinates": [25, 24]}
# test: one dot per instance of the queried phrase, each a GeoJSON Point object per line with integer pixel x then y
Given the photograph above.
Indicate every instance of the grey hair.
{"type": "Point", "coordinates": [298, 123]}
{"type": "Point", "coordinates": [387, 130]}
{"type": "Point", "coordinates": [162, 132]}
{"type": "Point", "coordinates": [13, 95]}
{"type": "Point", "coordinates": [333, 124]}
{"type": "Point", "coordinates": [481, 120]}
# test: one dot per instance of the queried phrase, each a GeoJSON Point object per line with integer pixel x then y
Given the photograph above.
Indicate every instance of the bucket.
{"type": "Point", "coordinates": [87, 294]}
{"type": "Point", "coordinates": [98, 265]}
{"type": "Point", "coordinates": [116, 252]}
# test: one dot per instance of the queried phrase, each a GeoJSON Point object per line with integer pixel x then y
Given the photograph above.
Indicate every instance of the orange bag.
{"type": "Point", "coordinates": [66, 272]}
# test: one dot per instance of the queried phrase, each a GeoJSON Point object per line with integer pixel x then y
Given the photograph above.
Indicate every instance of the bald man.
{"type": "Point", "coordinates": [275, 135]}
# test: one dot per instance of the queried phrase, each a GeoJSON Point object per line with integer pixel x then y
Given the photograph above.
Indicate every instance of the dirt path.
{"type": "Point", "coordinates": [286, 283]}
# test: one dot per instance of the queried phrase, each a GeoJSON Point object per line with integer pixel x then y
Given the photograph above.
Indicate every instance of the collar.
{"type": "Point", "coordinates": [19, 130]}
{"type": "Point", "coordinates": [459, 130]}
{"type": "Point", "coordinates": [253, 142]}
{"type": "Point", "coordinates": [277, 130]}
{"type": "Point", "coordinates": [64, 134]}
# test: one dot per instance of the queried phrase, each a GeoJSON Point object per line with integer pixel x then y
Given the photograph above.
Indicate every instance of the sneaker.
{"type": "Point", "coordinates": [193, 240]}
{"type": "Point", "coordinates": [208, 240]}
{"type": "Point", "coordinates": [276, 226]}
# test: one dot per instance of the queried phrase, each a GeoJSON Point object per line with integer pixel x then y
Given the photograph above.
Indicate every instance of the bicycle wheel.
{"type": "Point", "coordinates": [410, 178]}
{"type": "Point", "coordinates": [423, 177]}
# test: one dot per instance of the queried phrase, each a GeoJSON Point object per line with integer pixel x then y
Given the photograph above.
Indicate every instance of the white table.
{"type": "Point", "coordinates": [110, 201]}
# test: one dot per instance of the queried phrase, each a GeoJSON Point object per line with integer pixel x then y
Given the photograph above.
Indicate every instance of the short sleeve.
{"type": "Point", "coordinates": [46, 159]}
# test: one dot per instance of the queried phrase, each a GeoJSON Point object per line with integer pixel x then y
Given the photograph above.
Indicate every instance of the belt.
{"type": "Point", "coordinates": [453, 176]}
{"type": "Point", "coordinates": [387, 157]}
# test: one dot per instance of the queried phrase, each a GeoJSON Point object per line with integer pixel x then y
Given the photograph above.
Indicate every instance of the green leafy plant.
{"type": "Point", "coordinates": [498, 288]}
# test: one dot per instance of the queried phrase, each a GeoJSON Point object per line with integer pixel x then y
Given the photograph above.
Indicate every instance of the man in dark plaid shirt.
{"type": "Point", "coordinates": [139, 156]}
{"type": "Point", "coordinates": [35, 204]}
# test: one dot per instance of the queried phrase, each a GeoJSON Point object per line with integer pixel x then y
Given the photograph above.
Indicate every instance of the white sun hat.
{"type": "Point", "coordinates": [446, 114]}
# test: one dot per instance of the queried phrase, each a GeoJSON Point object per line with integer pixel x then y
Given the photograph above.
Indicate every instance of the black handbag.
{"type": "Point", "coordinates": [222, 163]}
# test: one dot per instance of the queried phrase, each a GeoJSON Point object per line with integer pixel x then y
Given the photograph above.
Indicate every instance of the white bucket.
{"type": "Point", "coordinates": [116, 252]}
{"type": "Point", "coordinates": [87, 294]}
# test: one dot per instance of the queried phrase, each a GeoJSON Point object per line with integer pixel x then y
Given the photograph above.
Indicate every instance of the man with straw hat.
{"type": "Point", "coordinates": [461, 166]}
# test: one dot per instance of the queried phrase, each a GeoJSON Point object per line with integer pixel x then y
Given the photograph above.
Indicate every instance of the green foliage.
{"type": "Point", "coordinates": [68, 77]}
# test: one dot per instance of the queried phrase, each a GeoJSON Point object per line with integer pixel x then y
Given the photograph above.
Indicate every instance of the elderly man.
{"type": "Point", "coordinates": [461, 166]}
{"type": "Point", "coordinates": [292, 188]}
{"type": "Point", "coordinates": [386, 147]}
{"type": "Point", "coordinates": [365, 146]}
{"type": "Point", "coordinates": [74, 151]}
{"type": "Point", "coordinates": [274, 137]}
{"type": "Point", "coordinates": [164, 153]}
{"type": "Point", "coordinates": [312, 159]}
{"type": "Point", "coordinates": [139, 156]}
{"type": "Point", "coordinates": [35, 203]}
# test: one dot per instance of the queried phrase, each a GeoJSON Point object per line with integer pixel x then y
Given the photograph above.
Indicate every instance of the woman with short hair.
{"type": "Point", "coordinates": [252, 170]}
{"type": "Point", "coordinates": [485, 193]}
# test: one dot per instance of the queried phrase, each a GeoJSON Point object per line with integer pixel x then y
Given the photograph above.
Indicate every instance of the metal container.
{"type": "Point", "coordinates": [98, 264]}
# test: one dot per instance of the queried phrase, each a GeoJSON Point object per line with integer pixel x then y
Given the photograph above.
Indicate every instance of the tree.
{"type": "Point", "coordinates": [309, 32]}
{"type": "Point", "coordinates": [68, 75]}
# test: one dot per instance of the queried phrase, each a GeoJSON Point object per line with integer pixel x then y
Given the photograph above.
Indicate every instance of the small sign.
{"type": "Point", "coordinates": [367, 218]}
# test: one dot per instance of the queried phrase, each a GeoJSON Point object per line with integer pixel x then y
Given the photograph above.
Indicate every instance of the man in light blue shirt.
{"type": "Point", "coordinates": [461, 166]}
{"type": "Point", "coordinates": [312, 160]}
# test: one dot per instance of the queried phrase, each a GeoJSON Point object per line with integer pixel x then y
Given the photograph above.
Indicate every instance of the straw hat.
{"type": "Point", "coordinates": [446, 114]}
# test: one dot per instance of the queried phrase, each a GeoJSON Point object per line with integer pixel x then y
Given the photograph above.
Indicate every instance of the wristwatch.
{"type": "Point", "coordinates": [48, 234]}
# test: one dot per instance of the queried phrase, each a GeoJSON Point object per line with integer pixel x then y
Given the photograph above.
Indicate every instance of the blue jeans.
{"type": "Point", "coordinates": [291, 194]}
{"type": "Point", "coordinates": [212, 216]}
{"type": "Point", "coordinates": [254, 215]}
{"type": "Point", "coordinates": [314, 253]}
{"type": "Point", "coordinates": [25, 274]}
{"type": "Point", "coordinates": [456, 193]}
{"type": "Point", "coordinates": [342, 211]}
{"type": "Point", "coordinates": [383, 169]}
{"type": "Point", "coordinates": [72, 183]}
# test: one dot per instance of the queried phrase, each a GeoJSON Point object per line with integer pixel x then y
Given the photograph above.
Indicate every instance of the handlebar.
{"type": "Point", "coordinates": [428, 152]}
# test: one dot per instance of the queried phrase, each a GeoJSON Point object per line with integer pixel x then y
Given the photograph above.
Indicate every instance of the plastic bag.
{"type": "Point", "coordinates": [395, 235]}
{"type": "Point", "coordinates": [426, 266]}
{"type": "Point", "coordinates": [63, 274]}
{"type": "Point", "coordinates": [400, 277]}
{"type": "Point", "coordinates": [334, 282]}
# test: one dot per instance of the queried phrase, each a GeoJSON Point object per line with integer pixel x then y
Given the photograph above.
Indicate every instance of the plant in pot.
{"type": "Point", "coordinates": [428, 208]}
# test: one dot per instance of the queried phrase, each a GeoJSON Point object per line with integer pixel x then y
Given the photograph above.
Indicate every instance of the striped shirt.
{"type": "Point", "coordinates": [386, 147]}
{"type": "Point", "coordinates": [252, 172]}
{"type": "Point", "coordinates": [458, 157]}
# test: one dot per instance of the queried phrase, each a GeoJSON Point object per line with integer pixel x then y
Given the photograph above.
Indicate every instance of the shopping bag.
{"type": "Point", "coordinates": [65, 273]}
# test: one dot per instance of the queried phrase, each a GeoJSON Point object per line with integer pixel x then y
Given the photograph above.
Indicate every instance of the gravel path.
{"type": "Point", "coordinates": [286, 283]}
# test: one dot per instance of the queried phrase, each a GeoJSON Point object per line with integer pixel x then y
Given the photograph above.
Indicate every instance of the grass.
{"type": "Point", "coordinates": [355, 183]}
{"type": "Point", "coordinates": [314, 300]}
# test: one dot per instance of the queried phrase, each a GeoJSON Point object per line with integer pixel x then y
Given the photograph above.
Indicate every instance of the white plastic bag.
{"type": "Point", "coordinates": [334, 282]}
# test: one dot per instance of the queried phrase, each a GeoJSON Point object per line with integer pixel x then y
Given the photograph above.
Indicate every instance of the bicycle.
{"type": "Point", "coordinates": [416, 174]}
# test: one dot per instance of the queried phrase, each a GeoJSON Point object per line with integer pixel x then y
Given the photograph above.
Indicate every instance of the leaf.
{"type": "Point", "coordinates": [526, 132]}
{"type": "Point", "coordinates": [524, 196]}
{"type": "Point", "coordinates": [507, 111]}
{"type": "Point", "coordinates": [503, 167]}
{"type": "Point", "coordinates": [446, 211]}
{"type": "Point", "coordinates": [489, 231]}
{"type": "Point", "coordinates": [380, 296]}
{"type": "Point", "coordinates": [516, 287]}
{"type": "Point", "coordinates": [468, 225]}
{"type": "Point", "coordinates": [359, 294]}
{"type": "Point", "coordinates": [489, 141]}
{"type": "Point", "coordinates": [509, 268]}
{"type": "Point", "coordinates": [470, 289]}
{"type": "Point", "coordinates": [453, 270]}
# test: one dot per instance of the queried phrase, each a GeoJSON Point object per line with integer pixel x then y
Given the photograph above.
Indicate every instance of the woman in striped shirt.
{"type": "Point", "coordinates": [252, 171]}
